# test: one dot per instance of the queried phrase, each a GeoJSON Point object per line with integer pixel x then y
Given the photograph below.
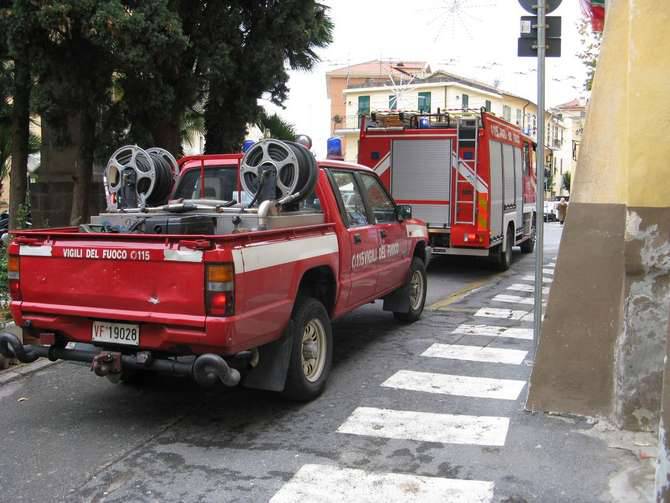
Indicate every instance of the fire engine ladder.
{"type": "Point", "coordinates": [467, 134]}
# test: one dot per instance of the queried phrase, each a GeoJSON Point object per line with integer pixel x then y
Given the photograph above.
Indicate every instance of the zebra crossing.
{"type": "Point", "coordinates": [328, 483]}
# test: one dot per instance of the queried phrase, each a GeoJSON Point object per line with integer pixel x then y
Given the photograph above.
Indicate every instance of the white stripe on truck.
{"type": "Point", "coordinates": [182, 255]}
{"type": "Point", "coordinates": [262, 255]}
{"type": "Point", "coordinates": [36, 251]}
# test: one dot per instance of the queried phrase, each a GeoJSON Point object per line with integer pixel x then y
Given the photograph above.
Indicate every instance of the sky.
{"type": "Point", "coordinates": [472, 38]}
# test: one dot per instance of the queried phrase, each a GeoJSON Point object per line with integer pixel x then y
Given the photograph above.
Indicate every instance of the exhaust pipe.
{"type": "Point", "coordinates": [206, 370]}
{"type": "Point", "coordinates": [210, 368]}
{"type": "Point", "coordinates": [11, 347]}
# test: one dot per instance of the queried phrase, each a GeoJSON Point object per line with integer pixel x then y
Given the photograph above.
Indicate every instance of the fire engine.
{"type": "Point", "coordinates": [468, 174]}
{"type": "Point", "coordinates": [224, 268]}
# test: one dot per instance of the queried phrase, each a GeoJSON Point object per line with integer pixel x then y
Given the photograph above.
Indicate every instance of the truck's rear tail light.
{"type": "Point", "coordinates": [13, 277]}
{"type": "Point", "coordinates": [220, 289]}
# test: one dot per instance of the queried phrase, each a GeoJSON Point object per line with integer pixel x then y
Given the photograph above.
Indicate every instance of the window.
{"type": "Point", "coordinates": [393, 102]}
{"type": "Point", "coordinates": [354, 209]}
{"type": "Point", "coordinates": [487, 105]}
{"type": "Point", "coordinates": [507, 113]}
{"type": "Point", "coordinates": [518, 116]}
{"type": "Point", "coordinates": [465, 101]}
{"type": "Point", "coordinates": [220, 184]}
{"type": "Point", "coordinates": [363, 105]}
{"type": "Point", "coordinates": [424, 103]}
{"type": "Point", "coordinates": [379, 201]}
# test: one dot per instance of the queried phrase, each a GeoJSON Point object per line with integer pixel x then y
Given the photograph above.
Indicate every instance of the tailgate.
{"type": "Point", "coordinates": [90, 277]}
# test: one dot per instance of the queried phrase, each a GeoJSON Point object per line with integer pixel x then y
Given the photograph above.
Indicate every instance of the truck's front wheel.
{"type": "Point", "coordinates": [312, 350]}
{"type": "Point", "coordinates": [417, 292]}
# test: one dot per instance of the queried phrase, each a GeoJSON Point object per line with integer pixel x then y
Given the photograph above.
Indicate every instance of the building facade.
{"type": "Point", "coordinates": [358, 90]}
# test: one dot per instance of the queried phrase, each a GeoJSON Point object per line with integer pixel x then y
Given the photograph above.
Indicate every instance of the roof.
{"type": "Point", "coordinates": [379, 68]}
{"type": "Point", "coordinates": [570, 105]}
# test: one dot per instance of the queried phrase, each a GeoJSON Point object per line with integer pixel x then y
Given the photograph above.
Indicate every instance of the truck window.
{"type": "Point", "coordinates": [354, 207]}
{"type": "Point", "coordinates": [220, 183]}
{"type": "Point", "coordinates": [381, 204]}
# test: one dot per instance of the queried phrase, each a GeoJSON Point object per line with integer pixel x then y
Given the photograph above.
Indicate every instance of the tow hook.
{"type": "Point", "coordinates": [106, 363]}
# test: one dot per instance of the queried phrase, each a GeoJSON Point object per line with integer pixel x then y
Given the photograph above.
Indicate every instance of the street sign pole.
{"type": "Point", "coordinates": [539, 163]}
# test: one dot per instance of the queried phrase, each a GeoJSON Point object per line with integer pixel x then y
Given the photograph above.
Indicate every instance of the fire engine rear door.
{"type": "Point", "coordinates": [421, 176]}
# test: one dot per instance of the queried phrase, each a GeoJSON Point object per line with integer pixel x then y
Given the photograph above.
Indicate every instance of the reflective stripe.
{"type": "Point", "coordinates": [416, 231]}
{"type": "Point", "coordinates": [183, 255]}
{"type": "Point", "coordinates": [263, 255]}
{"type": "Point", "coordinates": [36, 251]}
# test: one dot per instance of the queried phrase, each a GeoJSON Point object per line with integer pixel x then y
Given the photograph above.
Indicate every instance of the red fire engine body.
{"type": "Point", "coordinates": [252, 302]}
{"type": "Point", "coordinates": [470, 177]}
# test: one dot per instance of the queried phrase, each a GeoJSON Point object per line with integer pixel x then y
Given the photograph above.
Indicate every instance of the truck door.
{"type": "Point", "coordinates": [358, 262]}
{"type": "Point", "coordinates": [393, 241]}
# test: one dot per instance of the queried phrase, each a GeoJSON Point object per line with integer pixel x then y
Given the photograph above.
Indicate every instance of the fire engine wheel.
{"type": "Point", "coordinates": [417, 292]}
{"type": "Point", "coordinates": [529, 244]}
{"type": "Point", "coordinates": [504, 257]}
{"type": "Point", "coordinates": [312, 350]}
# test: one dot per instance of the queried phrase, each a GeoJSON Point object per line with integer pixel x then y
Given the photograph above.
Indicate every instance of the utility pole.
{"type": "Point", "coordinates": [539, 163]}
{"type": "Point", "coordinates": [534, 42]}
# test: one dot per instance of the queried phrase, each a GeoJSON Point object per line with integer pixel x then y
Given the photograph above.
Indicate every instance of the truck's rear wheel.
{"type": "Point", "coordinates": [312, 350]}
{"type": "Point", "coordinates": [417, 292]}
{"type": "Point", "coordinates": [503, 259]}
{"type": "Point", "coordinates": [529, 244]}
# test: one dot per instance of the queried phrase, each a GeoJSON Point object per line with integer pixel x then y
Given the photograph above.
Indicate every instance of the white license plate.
{"type": "Point", "coordinates": [116, 333]}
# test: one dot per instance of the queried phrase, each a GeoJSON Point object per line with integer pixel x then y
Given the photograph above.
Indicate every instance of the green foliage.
{"type": "Point", "coordinates": [102, 73]}
{"type": "Point", "coordinates": [278, 127]}
{"type": "Point", "coordinates": [566, 182]}
{"type": "Point", "coordinates": [590, 49]}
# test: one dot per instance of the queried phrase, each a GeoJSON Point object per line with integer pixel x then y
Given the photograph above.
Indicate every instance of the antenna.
{"type": "Point", "coordinates": [455, 17]}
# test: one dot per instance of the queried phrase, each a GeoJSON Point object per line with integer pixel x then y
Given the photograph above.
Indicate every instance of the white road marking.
{"type": "Point", "coordinates": [426, 426]}
{"type": "Point", "coordinates": [331, 484]}
{"type": "Point", "coordinates": [551, 264]}
{"type": "Point", "coordinates": [493, 331]}
{"type": "Point", "coordinates": [476, 353]}
{"type": "Point", "coordinates": [506, 314]}
{"type": "Point", "coordinates": [547, 270]}
{"type": "Point", "coordinates": [531, 277]}
{"type": "Point", "coordinates": [514, 299]}
{"type": "Point", "coordinates": [518, 287]}
{"type": "Point", "coordinates": [445, 384]}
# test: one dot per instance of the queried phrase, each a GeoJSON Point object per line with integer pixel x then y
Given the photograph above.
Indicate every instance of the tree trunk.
{"type": "Point", "coordinates": [18, 181]}
{"type": "Point", "coordinates": [167, 135]}
{"type": "Point", "coordinates": [83, 172]}
{"type": "Point", "coordinates": [225, 124]}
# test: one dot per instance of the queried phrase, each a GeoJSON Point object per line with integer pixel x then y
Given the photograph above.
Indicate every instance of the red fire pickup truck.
{"type": "Point", "coordinates": [249, 301]}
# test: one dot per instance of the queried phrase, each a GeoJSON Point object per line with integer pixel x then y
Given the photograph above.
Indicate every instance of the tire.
{"type": "Point", "coordinates": [313, 338]}
{"type": "Point", "coordinates": [529, 244]}
{"type": "Point", "coordinates": [418, 285]}
{"type": "Point", "coordinates": [503, 259]}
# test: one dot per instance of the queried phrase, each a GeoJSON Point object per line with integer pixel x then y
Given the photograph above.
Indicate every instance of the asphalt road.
{"type": "Point", "coordinates": [69, 436]}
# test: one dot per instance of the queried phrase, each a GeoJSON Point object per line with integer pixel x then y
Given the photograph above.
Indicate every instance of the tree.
{"type": "Point", "coordinates": [590, 49]}
{"type": "Point", "coordinates": [566, 182]}
{"type": "Point", "coordinates": [17, 25]}
{"type": "Point", "coordinates": [278, 127]}
{"type": "Point", "coordinates": [246, 49]}
{"type": "Point", "coordinates": [86, 45]}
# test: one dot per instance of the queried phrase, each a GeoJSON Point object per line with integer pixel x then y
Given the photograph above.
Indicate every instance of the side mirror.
{"type": "Point", "coordinates": [403, 212]}
{"type": "Point", "coordinates": [5, 239]}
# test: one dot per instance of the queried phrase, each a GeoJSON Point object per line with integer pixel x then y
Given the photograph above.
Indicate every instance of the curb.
{"type": "Point", "coordinates": [12, 374]}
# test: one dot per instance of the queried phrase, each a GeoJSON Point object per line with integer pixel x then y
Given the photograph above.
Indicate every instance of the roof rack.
{"type": "Point", "coordinates": [412, 119]}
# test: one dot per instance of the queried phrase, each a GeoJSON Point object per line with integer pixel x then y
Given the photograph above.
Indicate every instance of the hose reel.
{"type": "Point", "coordinates": [135, 177]}
{"type": "Point", "coordinates": [288, 166]}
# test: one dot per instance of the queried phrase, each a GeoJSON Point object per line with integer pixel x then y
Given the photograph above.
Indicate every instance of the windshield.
{"type": "Point", "coordinates": [220, 184]}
